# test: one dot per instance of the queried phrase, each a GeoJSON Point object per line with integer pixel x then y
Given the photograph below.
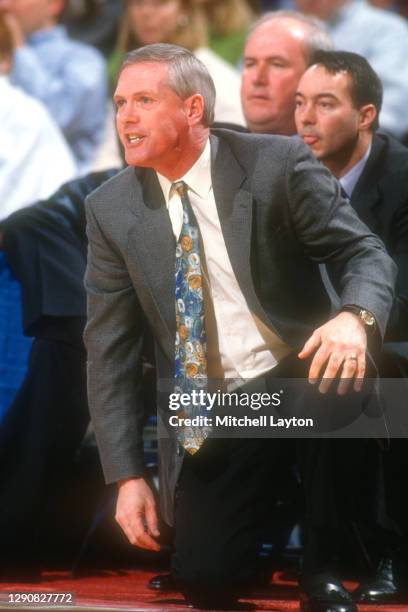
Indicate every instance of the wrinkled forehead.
{"type": "Point", "coordinates": [146, 74]}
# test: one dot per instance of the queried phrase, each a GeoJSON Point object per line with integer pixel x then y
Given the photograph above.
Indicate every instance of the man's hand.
{"type": "Point", "coordinates": [340, 345]}
{"type": "Point", "coordinates": [136, 513]}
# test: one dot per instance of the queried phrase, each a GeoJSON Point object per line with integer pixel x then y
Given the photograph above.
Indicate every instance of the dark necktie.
{"type": "Point", "coordinates": [190, 348]}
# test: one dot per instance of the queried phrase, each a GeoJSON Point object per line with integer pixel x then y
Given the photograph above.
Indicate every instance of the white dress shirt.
{"type": "Point", "coordinates": [34, 157]}
{"type": "Point", "coordinates": [239, 345]}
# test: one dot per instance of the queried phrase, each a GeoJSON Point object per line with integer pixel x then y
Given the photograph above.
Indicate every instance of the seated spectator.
{"type": "Point", "coordinates": [34, 158]}
{"type": "Point", "coordinates": [34, 162]}
{"type": "Point", "coordinates": [277, 52]}
{"type": "Point", "coordinates": [67, 76]}
{"type": "Point", "coordinates": [380, 37]}
{"type": "Point", "coordinates": [184, 23]}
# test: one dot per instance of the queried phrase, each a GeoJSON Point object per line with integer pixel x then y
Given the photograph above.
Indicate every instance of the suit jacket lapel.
{"type": "Point", "coordinates": [151, 239]}
{"type": "Point", "coordinates": [235, 209]}
{"type": "Point", "coordinates": [234, 204]}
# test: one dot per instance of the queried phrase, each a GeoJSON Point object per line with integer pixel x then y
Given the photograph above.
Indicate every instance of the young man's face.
{"type": "Point", "coordinates": [325, 116]}
{"type": "Point", "coordinates": [274, 60]}
{"type": "Point", "coordinates": [151, 118]}
{"type": "Point", "coordinates": [34, 15]}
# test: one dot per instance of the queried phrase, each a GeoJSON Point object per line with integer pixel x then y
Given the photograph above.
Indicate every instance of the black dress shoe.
{"type": "Point", "coordinates": [165, 583]}
{"type": "Point", "coordinates": [382, 588]}
{"type": "Point", "coordinates": [325, 593]}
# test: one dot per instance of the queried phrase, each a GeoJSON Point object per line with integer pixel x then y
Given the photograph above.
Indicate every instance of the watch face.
{"type": "Point", "coordinates": [367, 317]}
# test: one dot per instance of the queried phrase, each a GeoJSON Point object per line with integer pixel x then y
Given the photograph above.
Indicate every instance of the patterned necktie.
{"type": "Point", "coordinates": [190, 348]}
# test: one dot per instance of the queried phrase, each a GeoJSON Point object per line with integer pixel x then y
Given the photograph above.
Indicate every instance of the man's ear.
{"type": "Point", "coordinates": [368, 114]}
{"type": "Point", "coordinates": [195, 109]}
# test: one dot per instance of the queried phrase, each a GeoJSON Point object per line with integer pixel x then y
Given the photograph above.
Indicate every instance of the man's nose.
{"type": "Point", "coordinates": [128, 113]}
{"type": "Point", "coordinates": [306, 114]}
{"type": "Point", "coordinates": [261, 74]}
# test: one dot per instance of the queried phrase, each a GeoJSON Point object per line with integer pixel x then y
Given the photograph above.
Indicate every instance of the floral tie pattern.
{"type": "Point", "coordinates": [190, 346]}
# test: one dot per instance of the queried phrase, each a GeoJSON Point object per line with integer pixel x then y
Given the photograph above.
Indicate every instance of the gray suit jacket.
{"type": "Point", "coordinates": [281, 214]}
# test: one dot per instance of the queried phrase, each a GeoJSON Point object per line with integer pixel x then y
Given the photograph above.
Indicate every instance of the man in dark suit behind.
{"type": "Point", "coordinates": [337, 107]}
{"type": "Point", "coordinates": [267, 214]}
{"type": "Point", "coordinates": [45, 245]}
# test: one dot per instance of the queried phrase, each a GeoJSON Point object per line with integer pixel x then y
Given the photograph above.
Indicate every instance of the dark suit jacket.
{"type": "Point", "coordinates": [281, 214]}
{"type": "Point", "coordinates": [381, 200]}
{"type": "Point", "coordinates": [46, 248]}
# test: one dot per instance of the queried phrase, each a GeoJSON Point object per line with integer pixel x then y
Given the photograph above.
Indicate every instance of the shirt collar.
{"type": "Point", "coordinates": [40, 36]}
{"type": "Point", "coordinates": [349, 180]}
{"type": "Point", "coordinates": [198, 178]}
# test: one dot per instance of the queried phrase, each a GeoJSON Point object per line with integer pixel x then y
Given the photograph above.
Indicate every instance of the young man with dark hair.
{"type": "Point", "coordinates": [378, 35]}
{"type": "Point", "coordinates": [338, 101]}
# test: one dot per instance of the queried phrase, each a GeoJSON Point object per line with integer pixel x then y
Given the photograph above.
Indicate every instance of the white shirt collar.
{"type": "Point", "coordinates": [198, 178]}
{"type": "Point", "coordinates": [350, 179]}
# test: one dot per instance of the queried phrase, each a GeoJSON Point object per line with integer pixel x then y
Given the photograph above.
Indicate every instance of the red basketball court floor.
{"type": "Point", "coordinates": [116, 591]}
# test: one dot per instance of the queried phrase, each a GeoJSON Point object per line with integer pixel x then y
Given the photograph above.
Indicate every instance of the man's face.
{"type": "Point", "coordinates": [325, 115]}
{"type": "Point", "coordinates": [274, 60]}
{"type": "Point", "coordinates": [33, 15]}
{"type": "Point", "coordinates": [151, 118]}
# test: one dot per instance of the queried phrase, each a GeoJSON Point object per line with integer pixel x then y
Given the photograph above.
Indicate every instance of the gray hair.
{"type": "Point", "coordinates": [316, 35]}
{"type": "Point", "coordinates": [187, 74]}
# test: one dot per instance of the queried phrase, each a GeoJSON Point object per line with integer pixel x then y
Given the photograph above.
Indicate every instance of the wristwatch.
{"type": "Point", "coordinates": [364, 315]}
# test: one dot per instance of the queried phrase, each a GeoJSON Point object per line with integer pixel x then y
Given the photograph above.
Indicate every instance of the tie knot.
{"type": "Point", "coordinates": [181, 188]}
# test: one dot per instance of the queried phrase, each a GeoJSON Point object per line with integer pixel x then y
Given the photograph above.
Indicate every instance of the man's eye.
{"type": "Point", "coordinates": [145, 100]}
{"type": "Point", "coordinates": [119, 103]}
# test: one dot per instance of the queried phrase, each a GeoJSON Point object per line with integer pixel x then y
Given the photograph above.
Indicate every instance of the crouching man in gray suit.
{"type": "Point", "coordinates": [211, 243]}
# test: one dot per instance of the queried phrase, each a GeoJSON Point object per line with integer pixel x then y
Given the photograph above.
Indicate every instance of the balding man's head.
{"type": "Point", "coordinates": [277, 52]}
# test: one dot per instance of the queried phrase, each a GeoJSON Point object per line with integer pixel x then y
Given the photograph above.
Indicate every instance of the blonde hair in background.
{"type": "Point", "coordinates": [228, 16]}
{"type": "Point", "coordinates": [191, 33]}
